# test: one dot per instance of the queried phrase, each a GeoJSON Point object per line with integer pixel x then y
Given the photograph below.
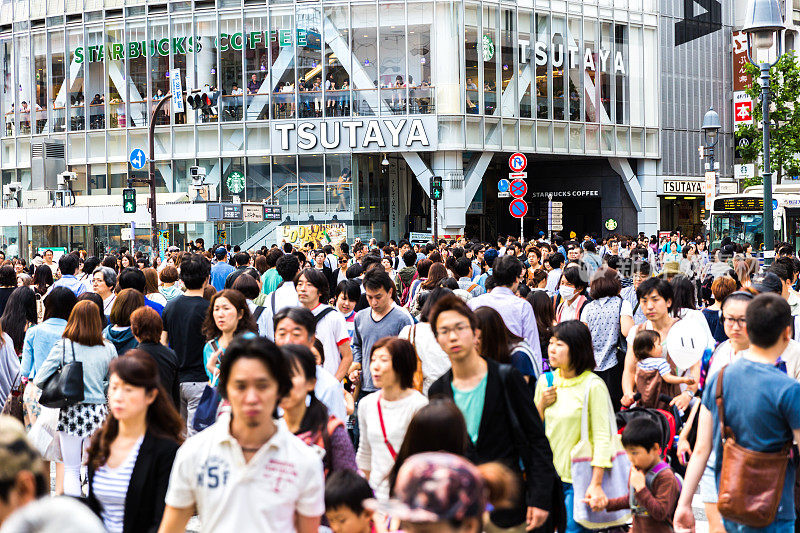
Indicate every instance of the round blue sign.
{"type": "Point", "coordinates": [137, 159]}
{"type": "Point", "coordinates": [502, 185]}
{"type": "Point", "coordinates": [774, 204]}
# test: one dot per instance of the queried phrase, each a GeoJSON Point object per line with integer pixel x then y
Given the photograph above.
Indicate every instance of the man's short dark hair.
{"type": "Point", "coordinates": [377, 278]}
{"type": "Point", "coordinates": [768, 316]}
{"type": "Point", "coordinates": [642, 431]}
{"type": "Point", "coordinates": [346, 488]}
{"type": "Point", "coordinates": [318, 280]}
{"type": "Point", "coordinates": [589, 246]}
{"type": "Point", "coordinates": [195, 269]}
{"type": "Point", "coordinates": [662, 287]}
{"type": "Point", "coordinates": [506, 270]}
{"type": "Point", "coordinates": [353, 271]}
{"type": "Point", "coordinates": [131, 278]}
{"type": "Point", "coordinates": [462, 267]}
{"type": "Point", "coordinates": [220, 253]}
{"type": "Point", "coordinates": [410, 258]}
{"type": "Point", "coordinates": [259, 348]}
{"type": "Point", "coordinates": [300, 316]}
{"type": "Point", "coordinates": [287, 267]}
{"type": "Point", "coordinates": [247, 286]}
{"type": "Point", "coordinates": [273, 255]}
{"type": "Point", "coordinates": [370, 259]}
{"type": "Point", "coordinates": [68, 264]}
{"type": "Point", "coordinates": [556, 260]}
{"type": "Point", "coordinates": [242, 259]}
{"type": "Point", "coordinates": [783, 267]}
{"type": "Point", "coordinates": [8, 278]}
{"type": "Point", "coordinates": [577, 276]}
{"type": "Point", "coordinates": [351, 290]}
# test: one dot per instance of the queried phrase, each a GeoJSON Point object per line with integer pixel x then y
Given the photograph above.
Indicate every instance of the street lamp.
{"type": "Point", "coordinates": [711, 126]}
{"type": "Point", "coordinates": [763, 24]}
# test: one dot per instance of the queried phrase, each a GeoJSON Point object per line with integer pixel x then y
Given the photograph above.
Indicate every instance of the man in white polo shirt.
{"type": "Point", "coordinates": [247, 472]}
{"type": "Point", "coordinates": [312, 291]}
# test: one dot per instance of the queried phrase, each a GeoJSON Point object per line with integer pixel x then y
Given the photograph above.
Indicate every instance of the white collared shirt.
{"type": "Point", "coordinates": [283, 478]}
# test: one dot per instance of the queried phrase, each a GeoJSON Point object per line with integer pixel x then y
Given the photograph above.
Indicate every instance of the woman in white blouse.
{"type": "Point", "coordinates": [383, 416]}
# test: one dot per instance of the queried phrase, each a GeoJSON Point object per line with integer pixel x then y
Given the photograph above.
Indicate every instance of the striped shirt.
{"type": "Point", "coordinates": [655, 363]}
{"type": "Point", "coordinates": [110, 487]}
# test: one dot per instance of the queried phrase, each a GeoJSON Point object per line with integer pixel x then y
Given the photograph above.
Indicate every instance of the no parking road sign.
{"type": "Point", "coordinates": [518, 188]}
{"type": "Point", "coordinates": [518, 208]}
{"type": "Point", "coordinates": [517, 162]}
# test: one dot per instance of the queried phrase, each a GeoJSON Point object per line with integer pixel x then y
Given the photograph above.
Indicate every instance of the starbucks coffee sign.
{"type": "Point", "coordinates": [350, 135]}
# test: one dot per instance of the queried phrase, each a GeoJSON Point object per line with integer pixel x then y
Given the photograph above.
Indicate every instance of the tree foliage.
{"type": "Point", "coordinates": [784, 120]}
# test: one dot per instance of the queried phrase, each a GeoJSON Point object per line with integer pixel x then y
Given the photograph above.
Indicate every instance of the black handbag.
{"type": "Point", "coordinates": [65, 386]}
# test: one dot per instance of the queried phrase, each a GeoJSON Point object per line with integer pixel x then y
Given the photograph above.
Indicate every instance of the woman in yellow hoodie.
{"type": "Point", "coordinates": [560, 401]}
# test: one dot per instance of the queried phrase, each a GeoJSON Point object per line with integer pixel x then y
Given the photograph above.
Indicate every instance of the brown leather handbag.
{"type": "Point", "coordinates": [751, 482]}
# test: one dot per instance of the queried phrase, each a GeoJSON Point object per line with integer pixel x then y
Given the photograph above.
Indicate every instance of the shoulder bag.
{"type": "Point", "coordinates": [615, 479]}
{"type": "Point", "coordinates": [65, 386]}
{"type": "Point", "coordinates": [13, 406]}
{"type": "Point", "coordinates": [383, 430]}
{"type": "Point", "coordinates": [750, 482]}
{"type": "Point", "coordinates": [206, 412]}
{"type": "Point", "coordinates": [622, 343]}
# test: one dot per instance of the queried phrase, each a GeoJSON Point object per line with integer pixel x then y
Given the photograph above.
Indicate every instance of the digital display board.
{"type": "Point", "coordinates": [739, 204]}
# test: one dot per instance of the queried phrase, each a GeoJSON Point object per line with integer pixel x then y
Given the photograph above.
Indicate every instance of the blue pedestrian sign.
{"type": "Point", "coordinates": [137, 159]}
{"type": "Point", "coordinates": [502, 185]}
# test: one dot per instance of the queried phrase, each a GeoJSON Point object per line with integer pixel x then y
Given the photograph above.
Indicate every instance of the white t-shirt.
{"type": "Point", "coordinates": [373, 454]}
{"type": "Point", "coordinates": [434, 360]}
{"type": "Point", "coordinates": [332, 332]}
{"type": "Point", "coordinates": [284, 296]}
{"type": "Point", "coordinates": [330, 392]}
{"type": "Point", "coordinates": [285, 476]}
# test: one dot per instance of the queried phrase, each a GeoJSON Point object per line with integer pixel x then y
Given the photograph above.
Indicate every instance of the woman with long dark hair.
{"type": "Point", "coordinates": [42, 279]}
{"type": "Point", "coordinates": [131, 456]}
{"type": "Point", "coordinates": [499, 344]}
{"type": "Point", "coordinates": [118, 330]}
{"type": "Point", "coordinates": [545, 320]}
{"type": "Point", "coordinates": [228, 316]}
{"type": "Point", "coordinates": [8, 283]}
{"type": "Point", "coordinates": [83, 340]}
{"type": "Point", "coordinates": [311, 422]}
{"type": "Point", "coordinates": [436, 274]}
{"type": "Point", "coordinates": [437, 427]}
{"type": "Point", "coordinates": [19, 315]}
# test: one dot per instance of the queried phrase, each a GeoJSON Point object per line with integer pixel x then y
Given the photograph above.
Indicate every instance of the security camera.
{"type": "Point", "coordinates": [11, 189]}
{"type": "Point", "coordinates": [66, 177]}
{"type": "Point", "coordinates": [198, 175]}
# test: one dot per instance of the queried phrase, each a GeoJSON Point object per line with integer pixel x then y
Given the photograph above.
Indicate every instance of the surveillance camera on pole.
{"type": "Point", "coordinates": [65, 178]}
{"type": "Point", "coordinates": [198, 177]}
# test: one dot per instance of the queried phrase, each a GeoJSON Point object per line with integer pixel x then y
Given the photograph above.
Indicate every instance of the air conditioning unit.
{"type": "Point", "coordinates": [48, 160]}
{"type": "Point", "coordinates": [36, 199]}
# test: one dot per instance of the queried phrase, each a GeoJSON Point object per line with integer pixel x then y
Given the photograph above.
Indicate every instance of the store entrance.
{"type": "Point", "coordinates": [682, 213]}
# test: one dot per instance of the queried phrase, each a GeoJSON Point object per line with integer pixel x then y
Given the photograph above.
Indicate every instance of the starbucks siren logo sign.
{"type": "Point", "coordinates": [235, 182]}
{"type": "Point", "coordinates": [487, 47]}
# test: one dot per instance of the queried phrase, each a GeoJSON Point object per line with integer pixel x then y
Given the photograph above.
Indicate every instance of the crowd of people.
{"type": "Point", "coordinates": [455, 386]}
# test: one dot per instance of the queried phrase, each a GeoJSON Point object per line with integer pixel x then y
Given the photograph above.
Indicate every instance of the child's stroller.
{"type": "Point", "coordinates": [669, 420]}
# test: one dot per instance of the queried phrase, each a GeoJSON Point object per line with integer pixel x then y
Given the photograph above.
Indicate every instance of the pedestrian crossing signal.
{"type": "Point", "coordinates": [128, 200]}
{"type": "Point", "coordinates": [437, 191]}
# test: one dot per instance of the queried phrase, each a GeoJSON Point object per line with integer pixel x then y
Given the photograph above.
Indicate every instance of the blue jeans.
{"type": "Point", "coordinates": [569, 502]}
{"type": "Point", "coordinates": [778, 526]}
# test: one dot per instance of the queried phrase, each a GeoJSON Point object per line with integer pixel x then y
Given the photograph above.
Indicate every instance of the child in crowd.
{"type": "Point", "coordinates": [345, 493]}
{"type": "Point", "coordinates": [654, 488]}
{"type": "Point", "coordinates": [652, 370]}
{"type": "Point", "coordinates": [345, 298]}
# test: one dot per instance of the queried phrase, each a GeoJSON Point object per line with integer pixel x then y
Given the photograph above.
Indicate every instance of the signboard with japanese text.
{"type": "Point", "coordinates": [742, 108]}
{"type": "Point", "coordinates": [253, 212]}
{"type": "Point", "coordinates": [318, 234]}
{"type": "Point", "coordinates": [741, 80]}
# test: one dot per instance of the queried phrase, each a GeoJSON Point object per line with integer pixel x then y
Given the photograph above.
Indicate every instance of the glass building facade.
{"type": "Point", "coordinates": [309, 97]}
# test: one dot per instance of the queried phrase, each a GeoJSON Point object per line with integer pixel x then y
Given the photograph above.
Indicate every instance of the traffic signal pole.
{"type": "Point", "coordinates": [152, 181]}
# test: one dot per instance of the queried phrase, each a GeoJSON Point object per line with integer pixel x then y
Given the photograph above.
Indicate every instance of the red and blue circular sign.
{"type": "Point", "coordinates": [518, 188]}
{"type": "Point", "coordinates": [517, 162]}
{"type": "Point", "coordinates": [518, 208]}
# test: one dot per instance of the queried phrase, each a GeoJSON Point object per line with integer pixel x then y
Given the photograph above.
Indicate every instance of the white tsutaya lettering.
{"type": "Point", "coordinates": [541, 54]}
{"type": "Point", "coordinates": [324, 140]}
{"type": "Point", "coordinates": [352, 126]}
{"type": "Point", "coordinates": [395, 130]}
{"type": "Point", "coordinates": [588, 60]}
{"type": "Point", "coordinates": [310, 140]}
{"type": "Point", "coordinates": [558, 52]}
{"type": "Point", "coordinates": [284, 128]}
{"type": "Point", "coordinates": [604, 59]}
{"type": "Point", "coordinates": [416, 132]}
{"type": "Point", "coordinates": [619, 64]}
{"type": "Point", "coordinates": [373, 135]}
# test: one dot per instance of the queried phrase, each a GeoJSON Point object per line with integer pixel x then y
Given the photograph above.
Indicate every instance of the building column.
{"type": "Point", "coordinates": [648, 177]}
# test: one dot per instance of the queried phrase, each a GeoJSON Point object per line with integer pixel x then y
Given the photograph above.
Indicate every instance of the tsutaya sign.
{"type": "Point", "coordinates": [364, 135]}
{"type": "Point", "coordinates": [570, 57]}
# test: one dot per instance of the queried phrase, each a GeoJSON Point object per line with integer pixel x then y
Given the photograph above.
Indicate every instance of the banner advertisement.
{"type": "Point", "coordinates": [318, 234]}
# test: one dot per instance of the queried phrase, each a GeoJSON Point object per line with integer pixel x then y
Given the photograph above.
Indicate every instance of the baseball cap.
{"type": "Point", "coordinates": [490, 254]}
{"type": "Point", "coordinates": [769, 282]}
{"type": "Point", "coordinates": [220, 252]}
{"type": "Point", "coordinates": [17, 454]}
{"type": "Point", "coordinates": [435, 487]}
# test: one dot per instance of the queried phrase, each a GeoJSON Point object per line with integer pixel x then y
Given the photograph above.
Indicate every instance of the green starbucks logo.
{"type": "Point", "coordinates": [235, 182]}
{"type": "Point", "coordinates": [487, 47]}
{"type": "Point", "coordinates": [611, 224]}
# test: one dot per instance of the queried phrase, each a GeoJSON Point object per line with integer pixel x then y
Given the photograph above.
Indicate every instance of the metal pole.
{"type": "Point", "coordinates": [769, 235]}
{"type": "Point", "coordinates": [521, 229]}
{"type": "Point", "coordinates": [436, 223]}
{"type": "Point", "coordinates": [152, 143]}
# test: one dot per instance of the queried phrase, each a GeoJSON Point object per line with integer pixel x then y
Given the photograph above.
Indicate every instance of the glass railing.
{"type": "Point", "coordinates": [313, 196]}
{"type": "Point", "coordinates": [365, 102]}
{"type": "Point", "coordinates": [283, 105]}
{"type": "Point", "coordinates": [59, 123]}
{"type": "Point", "coordinates": [422, 100]}
{"type": "Point", "coordinates": [76, 118]}
{"type": "Point", "coordinates": [337, 103]}
{"type": "Point", "coordinates": [309, 104]}
{"type": "Point", "coordinates": [230, 107]}
{"type": "Point", "coordinates": [97, 116]}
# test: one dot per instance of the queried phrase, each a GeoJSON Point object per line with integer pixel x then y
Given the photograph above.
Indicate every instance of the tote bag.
{"type": "Point", "coordinates": [615, 479]}
{"type": "Point", "coordinates": [65, 386]}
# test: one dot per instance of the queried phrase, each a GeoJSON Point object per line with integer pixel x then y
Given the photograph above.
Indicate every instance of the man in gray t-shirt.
{"type": "Point", "coordinates": [383, 318]}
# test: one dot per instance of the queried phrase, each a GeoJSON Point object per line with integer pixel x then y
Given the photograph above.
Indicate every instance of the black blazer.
{"type": "Point", "coordinates": [496, 439]}
{"type": "Point", "coordinates": [144, 502]}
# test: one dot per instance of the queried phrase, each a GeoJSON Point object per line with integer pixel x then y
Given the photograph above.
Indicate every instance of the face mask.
{"type": "Point", "coordinates": [566, 292]}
